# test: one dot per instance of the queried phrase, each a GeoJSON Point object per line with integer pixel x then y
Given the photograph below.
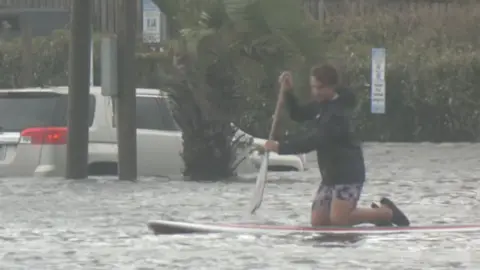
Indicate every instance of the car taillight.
{"type": "Point", "coordinates": [44, 135]}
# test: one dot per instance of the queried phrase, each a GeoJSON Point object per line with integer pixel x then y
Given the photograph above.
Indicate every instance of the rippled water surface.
{"type": "Point", "coordinates": [101, 223]}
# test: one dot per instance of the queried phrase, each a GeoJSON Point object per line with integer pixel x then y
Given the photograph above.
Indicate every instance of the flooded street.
{"type": "Point", "coordinates": [101, 223]}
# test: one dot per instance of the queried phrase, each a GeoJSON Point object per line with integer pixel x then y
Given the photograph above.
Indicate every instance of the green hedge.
{"type": "Point", "coordinates": [433, 72]}
{"type": "Point", "coordinates": [432, 76]}
{"type": "Point", "coordinates": [50, 55]}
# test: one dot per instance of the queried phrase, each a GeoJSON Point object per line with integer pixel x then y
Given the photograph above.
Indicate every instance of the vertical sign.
{"type": "Point", "coordinates": [152, 22]}
{"type": "Point", "coordinates": [378, 81]}
{"type": "Point", "coordinates": [92, 73]}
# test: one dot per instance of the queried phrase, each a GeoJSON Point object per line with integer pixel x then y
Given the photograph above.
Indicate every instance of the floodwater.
{"type": "Point", "coordinates": [101, 223]}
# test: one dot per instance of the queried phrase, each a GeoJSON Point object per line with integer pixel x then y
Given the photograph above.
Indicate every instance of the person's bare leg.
{"type": "Point", "coordinates": [370, 215]}
{"type": "Point", "coordinates": [321, 207]}
{"type": "Point", "coordinates": [320, 216]}
{"type": "Point", "coordinates": [344, 211]}
{"type": "Point", "coordinates": [383, 223]}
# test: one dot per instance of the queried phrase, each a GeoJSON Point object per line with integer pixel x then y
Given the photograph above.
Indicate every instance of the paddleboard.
{"type": "Point", "coordinates": [176, 227]}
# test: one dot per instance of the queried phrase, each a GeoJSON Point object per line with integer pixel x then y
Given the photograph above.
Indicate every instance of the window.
{"type": "Point", "coordinates": [9, 22]}
{"type": "Point", "coordinates": [21, 110]}
{"type": "Point", "coordinates": [153, 113]}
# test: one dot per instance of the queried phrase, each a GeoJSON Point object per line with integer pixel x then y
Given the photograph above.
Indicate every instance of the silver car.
{"type": "Point", "coordinates": [33, 135]}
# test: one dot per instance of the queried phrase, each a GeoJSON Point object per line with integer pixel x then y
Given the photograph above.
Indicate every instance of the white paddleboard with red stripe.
{"type": "Point", "coordinates": [175, 227]}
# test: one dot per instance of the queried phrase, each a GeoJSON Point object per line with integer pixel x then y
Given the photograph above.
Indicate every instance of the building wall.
{"type": "Point", "coordinates": [103, 10]}
{"type": "Point", "coordinates": [63, 4]}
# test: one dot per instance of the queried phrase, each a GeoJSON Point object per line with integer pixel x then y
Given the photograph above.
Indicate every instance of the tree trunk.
{"type": "Point", "coordinates": [208, 151]}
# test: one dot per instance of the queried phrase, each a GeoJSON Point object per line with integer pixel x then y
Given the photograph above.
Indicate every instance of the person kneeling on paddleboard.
{"type": "Point", "coordinates": [339, 153]}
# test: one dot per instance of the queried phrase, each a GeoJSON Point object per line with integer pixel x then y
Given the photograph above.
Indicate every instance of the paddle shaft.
{"type": "Point", "coordinates": [276, 115]}
{"type": "Point", "coordinates": [262, 175]}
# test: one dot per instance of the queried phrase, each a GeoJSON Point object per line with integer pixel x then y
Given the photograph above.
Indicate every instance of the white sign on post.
{"type": "Point", "coordinates": [152, 22]}
{"type": "Point", "coordinates": [378, 95]}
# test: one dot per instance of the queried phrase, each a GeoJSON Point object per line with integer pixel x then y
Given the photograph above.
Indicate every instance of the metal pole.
{"type": "Point", "coordinates": [92, 63]}
{"type": "Point", "coordinates": [79, 88]}
{"type": "Point", "coordinates": [126, 102]}
{"type": "Point", "coordinates": [321, 11]}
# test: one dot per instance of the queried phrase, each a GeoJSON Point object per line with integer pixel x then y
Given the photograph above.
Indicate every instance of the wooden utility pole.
{"type": "Point", "coordinates": [126, 100]}
{"type": "Point", "coordinates": [79, 90]}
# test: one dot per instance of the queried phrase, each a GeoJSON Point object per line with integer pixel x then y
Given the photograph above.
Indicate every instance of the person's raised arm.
{"type": "Point", "coordinates": [296, 111]}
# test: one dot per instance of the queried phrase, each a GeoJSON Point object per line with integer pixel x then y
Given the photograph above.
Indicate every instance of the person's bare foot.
{"type": "Point", "coordinates": [383, 223]}
{"type": "Point", "coordinates": [398, 217]}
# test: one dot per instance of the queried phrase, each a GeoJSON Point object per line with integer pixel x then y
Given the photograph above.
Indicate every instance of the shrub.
{"type": "Point", "coordinates": [433, 71]}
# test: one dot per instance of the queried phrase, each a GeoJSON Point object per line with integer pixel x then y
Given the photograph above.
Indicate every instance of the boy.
{"type": "Point", "coordinates": [339, 153]}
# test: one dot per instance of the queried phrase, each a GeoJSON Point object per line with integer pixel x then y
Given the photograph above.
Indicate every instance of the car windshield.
{"type": "Point", "coordinates": [21, 110]}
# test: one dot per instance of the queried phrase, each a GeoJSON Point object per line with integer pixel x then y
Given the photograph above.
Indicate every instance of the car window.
{"type": "Point", "coordinates": [153, 113]}
{"type": "Point", "coordinates": [19, 111]}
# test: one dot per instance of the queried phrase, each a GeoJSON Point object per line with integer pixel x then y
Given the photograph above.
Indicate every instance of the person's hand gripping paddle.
{"type": "Point", "coordinates": [285, 81]}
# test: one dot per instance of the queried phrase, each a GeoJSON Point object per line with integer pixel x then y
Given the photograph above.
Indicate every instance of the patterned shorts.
{"type": "Point", "coordinates": [325, 195]}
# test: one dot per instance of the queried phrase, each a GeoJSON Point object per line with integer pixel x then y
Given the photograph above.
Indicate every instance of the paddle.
{"type": "Point", "coordinates": [262, 174]}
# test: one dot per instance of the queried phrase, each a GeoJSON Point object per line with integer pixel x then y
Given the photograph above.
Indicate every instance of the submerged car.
{"type": "Point", "coordinates": [33, 135]}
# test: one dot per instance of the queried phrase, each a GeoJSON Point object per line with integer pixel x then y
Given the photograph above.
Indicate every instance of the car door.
{"type": "Point", "coordinates": [159, 140]}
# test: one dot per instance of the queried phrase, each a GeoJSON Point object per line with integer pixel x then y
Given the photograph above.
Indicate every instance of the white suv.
{"type": "Point", "coordinates": [33, 130]}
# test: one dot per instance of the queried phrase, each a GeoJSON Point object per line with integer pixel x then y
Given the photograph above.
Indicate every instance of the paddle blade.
{"type": "Point", "coordinates": [260, 185]}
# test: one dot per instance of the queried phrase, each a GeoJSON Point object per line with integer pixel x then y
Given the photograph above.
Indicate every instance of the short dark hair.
{"type": "Point", "coordinates": [326, 74]}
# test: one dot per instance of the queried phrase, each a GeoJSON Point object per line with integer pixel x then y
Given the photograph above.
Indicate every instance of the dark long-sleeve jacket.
{"type": "Point", "coordinates": [339, 153]}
